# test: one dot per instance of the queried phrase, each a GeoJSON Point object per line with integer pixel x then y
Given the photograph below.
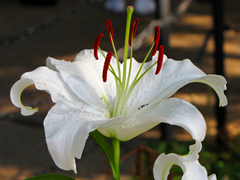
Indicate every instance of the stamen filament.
{"type": "Point", "coordinates": [129, 75]}
{"type": "Point", "coordinates": [117, 80]}
{"type": "Point", "coordinates": [130, 66]}
{"type": "Point", "coordinates": [113, 73]}
{"type": "Point", "coordinates": [143, 63]}
{"type": "Point", "coordinates": [115, 52]}
{"type": "Point", "coordinates": [144, 73]}
{"type": "Point", "coordinates": [102, 52]}
{"type": "Point", "coordinates": [111, 68]}
{"type": "Point", "coordinates": [119, 72]}
{"type": "Point", "coordinates": [136, 81]}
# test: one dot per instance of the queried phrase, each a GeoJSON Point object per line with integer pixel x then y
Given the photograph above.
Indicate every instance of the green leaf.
{"type": "Point", "coordinates": [105, 146]}
{"type": "Point", "coordinates": [50, 177]}
{"type": "Point", "coordinates": [103, 143]}
{"type": "Point", "coordinates": [176, 168]}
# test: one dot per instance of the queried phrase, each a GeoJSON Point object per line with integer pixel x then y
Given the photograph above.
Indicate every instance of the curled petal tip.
{"type": "Point", "coordinates": [28, 111]}
{"type": "Point", "coordinates": [15, 95]}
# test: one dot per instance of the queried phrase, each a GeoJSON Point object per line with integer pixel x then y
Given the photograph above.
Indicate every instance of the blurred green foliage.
{"type": "Point", "coordinates": [50, 177]}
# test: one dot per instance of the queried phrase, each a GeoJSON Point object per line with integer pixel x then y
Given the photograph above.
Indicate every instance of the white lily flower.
{"type": "Point", "coordinates": [129, 100]}
{"type": "Point", "coordinates": [85, 103]}
{"type": "Point", "coordinates": [191, 170]}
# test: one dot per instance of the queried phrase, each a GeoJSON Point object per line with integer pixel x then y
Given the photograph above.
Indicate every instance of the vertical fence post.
{"type": "Point", "coordinates": [218, 15]}
{"type": "Point", "coordinates": [163, 10]}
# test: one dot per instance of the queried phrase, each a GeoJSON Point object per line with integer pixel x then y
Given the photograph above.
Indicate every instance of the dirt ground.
{"type": "Point", "coordinates": [23, 151]}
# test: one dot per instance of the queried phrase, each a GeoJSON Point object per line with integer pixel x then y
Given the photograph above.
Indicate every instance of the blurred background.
{"type": "Point", "coordinates": [30, 31]}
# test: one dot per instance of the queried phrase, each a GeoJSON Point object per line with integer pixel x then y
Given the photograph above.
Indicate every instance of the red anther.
{"type": "Point", "coordinates": [160, 59]}
{"type": "Point", "coordinates": [106, 66]}
{"type": "Point", "coordinates": [96, 45]}
{"type": "Point", "coordinates": [156, 40]}
{"type": "Point", "coordinates": [108, 25]}
{"type": "Point", "coordinates": [133, 30]}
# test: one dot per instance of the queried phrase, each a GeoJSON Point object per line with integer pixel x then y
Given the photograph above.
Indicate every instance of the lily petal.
{"type": "Point", "coordinates": [220, 86]}
{"type": "Point", "coordinates": [84, 77]}
{"type": "Point", "coordinates": [181, 113]}
{"type": "Point", "coordinates": [173, 75]}
{"type": "Point", "coordinates": [192, 170]}
{"type": "Point", "coordinates": [127, 127]}
{"type": "Point", "coordinates": [172, 111]}
{"type": "Point", "coordinates": [15, 95]}
{"type": "Point", "coordinates": [67, 126]}
{"type": "Point", "coordinates": [44, 79]}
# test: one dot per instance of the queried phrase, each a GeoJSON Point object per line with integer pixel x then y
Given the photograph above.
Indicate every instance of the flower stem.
{"type": "Point", "coordinates": [116, 157]}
